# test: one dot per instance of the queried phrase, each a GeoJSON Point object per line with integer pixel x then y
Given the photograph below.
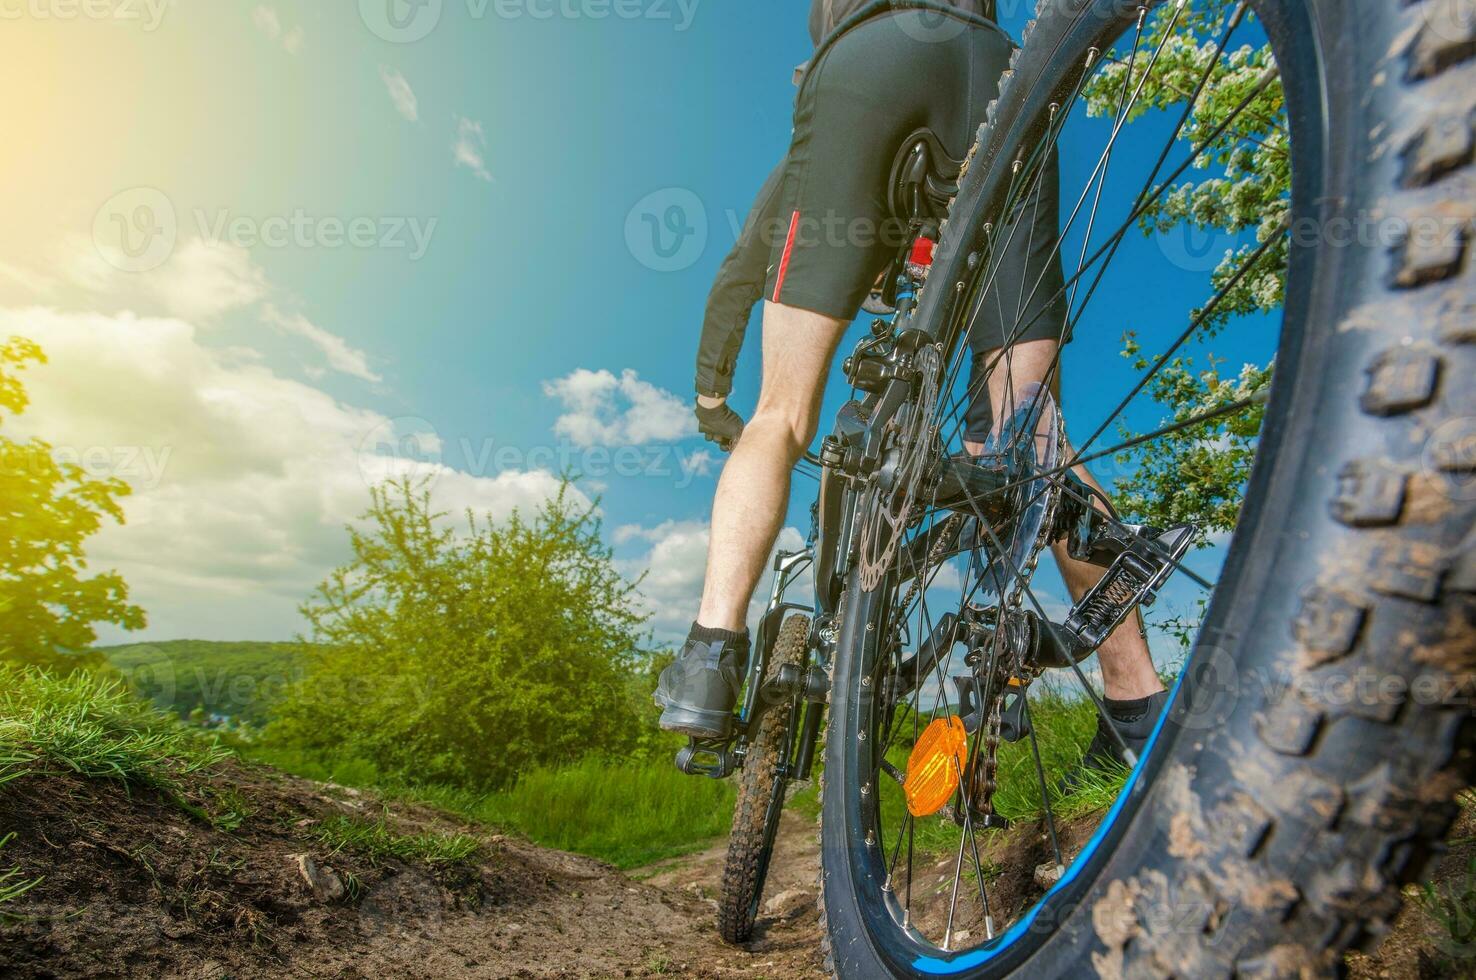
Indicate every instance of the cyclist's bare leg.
{"type": "Point", "coordinates": [753, 492]}
{"type": "Point", "coordinates": [1127, 666]}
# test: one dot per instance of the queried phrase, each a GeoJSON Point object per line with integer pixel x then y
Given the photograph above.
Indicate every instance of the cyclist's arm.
{"type": "Point", "coordinates": [739, 285]}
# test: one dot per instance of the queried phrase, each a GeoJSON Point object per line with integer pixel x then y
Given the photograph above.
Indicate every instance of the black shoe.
{"type": "Point", "coordinates": [1135, 721]}
{"type": "Point", "coordinates": [698, 691]}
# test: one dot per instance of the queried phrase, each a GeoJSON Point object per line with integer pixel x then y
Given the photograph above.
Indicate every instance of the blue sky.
{"type": "Point", "coordinates": [504, 294]}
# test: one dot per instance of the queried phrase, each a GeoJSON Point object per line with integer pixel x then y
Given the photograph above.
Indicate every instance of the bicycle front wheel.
{"type": "Point", "coordinates": [1276, 810]}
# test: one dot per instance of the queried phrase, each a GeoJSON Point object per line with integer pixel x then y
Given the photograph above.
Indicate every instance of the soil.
{"type": "Point", "coordinates": [135, 886]}
{"type": "Point", "coordinates": [1417, 948]}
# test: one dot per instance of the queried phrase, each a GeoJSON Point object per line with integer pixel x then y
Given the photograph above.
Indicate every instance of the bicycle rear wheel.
{"type": "Point", "coordinates": [1273, 816]}
{"type": "Point", "coordinates": [760, 798]}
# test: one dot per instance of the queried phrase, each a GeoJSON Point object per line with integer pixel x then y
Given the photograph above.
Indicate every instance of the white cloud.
{"type": "Point", "coordinates": [470, 147]}
{"type": "Point", "coordinates": [266, 20]}
{"type": "Point", "coordinates": [243, 479]}
{"type": "Point", "coordinates": [400, 93]}
{"type": "Point", "coordinates": [200, 280]}
{"type": "Point", "coordinates": [204, 279]}
{"type": "Point", "coordinates": [341, 356]}
{"type": "Point", "coordinates": [603, 410]}
{"type": "Point", "coordinates": [673, 557]}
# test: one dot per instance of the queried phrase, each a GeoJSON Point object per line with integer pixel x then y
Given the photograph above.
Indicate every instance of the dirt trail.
{"type": "Point", "coordinates": [135, 887]}
{"type": "Point", "coordinates": [134, 884]}
{"type": "Point", "coordinates": [788, 930]}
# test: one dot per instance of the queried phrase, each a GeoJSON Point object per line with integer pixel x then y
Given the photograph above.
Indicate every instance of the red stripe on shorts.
{"type": "Point", "coordinates": [788, 251]}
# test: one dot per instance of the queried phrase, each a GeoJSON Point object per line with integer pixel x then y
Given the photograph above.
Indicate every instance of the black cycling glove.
{"type": "Point", "coordinates": [721, 425]}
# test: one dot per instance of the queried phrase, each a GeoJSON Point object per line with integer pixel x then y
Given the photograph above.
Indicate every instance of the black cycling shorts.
{"type": "Point", "coordinates": [821, 232]}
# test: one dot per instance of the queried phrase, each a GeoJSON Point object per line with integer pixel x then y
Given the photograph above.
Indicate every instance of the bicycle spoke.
{"type": "Point", "coordinates": [1045, 790]}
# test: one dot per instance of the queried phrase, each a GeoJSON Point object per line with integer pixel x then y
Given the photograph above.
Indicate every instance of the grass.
{"type": "Point", "coordinates": [12, 885]}
{"type": "Point", "coordinates": [94, 727]}
{"type": "Point", "coordinates": [1452, 906]}
{"type": "Point", "coordinates": [375, 840]}
{"type": "Point", "coordinates": [629, 812]}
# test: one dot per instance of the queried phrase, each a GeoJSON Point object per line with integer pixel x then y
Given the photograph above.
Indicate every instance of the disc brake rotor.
{"type": "Point", "coordinates": [890, 508]}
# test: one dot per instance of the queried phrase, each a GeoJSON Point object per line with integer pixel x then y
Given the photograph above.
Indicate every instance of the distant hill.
{"type": "Point", "coordinates": [237, 679]}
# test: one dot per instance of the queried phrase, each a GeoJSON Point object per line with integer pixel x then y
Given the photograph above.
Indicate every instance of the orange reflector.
{"type": "Point", "coordinates": [934, 765]}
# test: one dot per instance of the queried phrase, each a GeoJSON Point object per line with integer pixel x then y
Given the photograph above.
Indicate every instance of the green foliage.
{"type": "Point", "coordinates": [375, 840]}
{"type": "Point", "coordinates": [1240, 183]}
{"type": "Point", "coordinates": [321, 765]}
{"type": "Point", "coordinates": [241, 680]}
{"type": "Point", "coordinates": [94, 727]}
{"type": "Point", "coordinates": [1199, 473]}
{"type": "Point", "coordinates": [467, 658]}
{"type": "Point", "coordinates": [48, 605]}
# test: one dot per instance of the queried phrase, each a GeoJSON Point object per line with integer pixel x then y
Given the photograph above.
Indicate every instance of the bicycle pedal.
{"type": "Point", "coordinates": [1134, 578]}
{"type": "Point", "coordinates": [713, 758]}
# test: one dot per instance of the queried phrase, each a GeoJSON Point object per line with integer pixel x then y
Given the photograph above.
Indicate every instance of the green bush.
{"type": "Point", "coordinates": [467, 658]}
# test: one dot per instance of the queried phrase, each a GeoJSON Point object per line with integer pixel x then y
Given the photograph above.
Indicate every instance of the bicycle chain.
{"type": "Point", "coordinates": [935, 554]}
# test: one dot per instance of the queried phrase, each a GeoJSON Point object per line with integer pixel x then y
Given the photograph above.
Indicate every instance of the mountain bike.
{"type": "Point", "coordinates": [1278, 807]}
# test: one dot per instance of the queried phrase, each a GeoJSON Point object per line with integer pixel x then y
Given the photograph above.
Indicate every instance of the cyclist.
{"type": "Point", "coordinates": [815, 241]}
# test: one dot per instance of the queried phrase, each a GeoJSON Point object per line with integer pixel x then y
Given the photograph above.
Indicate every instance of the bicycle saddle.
{"type": "Point", "coordinates": [924, 180]}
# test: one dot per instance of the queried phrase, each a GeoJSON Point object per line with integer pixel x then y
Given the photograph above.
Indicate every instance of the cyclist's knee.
{"type": "Point", "coordinates": [792, 426]}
